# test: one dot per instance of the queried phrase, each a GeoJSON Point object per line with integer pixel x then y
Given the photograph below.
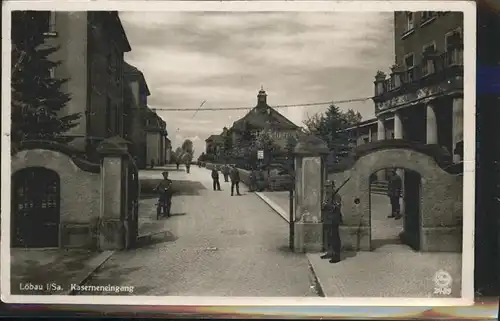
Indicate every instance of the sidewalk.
{"type": "Point", "coordinates": [32, 270]}
{"type": "Point", "coordinates": [393, 270]}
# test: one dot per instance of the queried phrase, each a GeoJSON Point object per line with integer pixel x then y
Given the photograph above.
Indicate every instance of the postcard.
{"type": "Point", "coordinates": [238, 153]}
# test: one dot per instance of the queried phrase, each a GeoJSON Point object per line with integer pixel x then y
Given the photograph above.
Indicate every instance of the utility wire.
{"type": "Point", "coordinates": [197, 110]}
{"type": "Point", "coordinates": [333, 102]}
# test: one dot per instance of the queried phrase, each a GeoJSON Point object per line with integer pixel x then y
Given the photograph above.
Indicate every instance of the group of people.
{"type": "Point", "coordinates": [229, 172]}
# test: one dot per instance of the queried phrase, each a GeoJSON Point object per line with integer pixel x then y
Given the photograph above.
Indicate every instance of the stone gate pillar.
{"type": "Point", "coordinates": [113, 227]}
{"type": "Point", "coordinates": [310, 154]}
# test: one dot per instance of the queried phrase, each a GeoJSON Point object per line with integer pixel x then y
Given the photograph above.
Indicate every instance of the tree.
{"type": "Point", "coordinates": [37, 98]}
{"type": "Point", "coordinates": [177, 154]}
{"type": "Point", "coordinates": [187, 151]}
{"type": "Point", "coordinates": [330, 127]}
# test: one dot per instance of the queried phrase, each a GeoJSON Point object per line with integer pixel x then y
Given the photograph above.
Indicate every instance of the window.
{"type": "Point", "coordinates": [453, 40]}
{"type": "Point", "coordinates": [52, 73]}
{"type": "Point", "coordinates": [409, 61]}
{"type": "Point", "coordinates": [428, 62]}
{"type": "Point", "coordinates": [453, 44]}
{"type": "Point", "coordinates": [427, 16]}
{"type": "Point", "coordinates": [409, 21]}
{"type": "Point", "coordinates": [429, 48]}
{"type": "Point", "coordinates": [47, 22]}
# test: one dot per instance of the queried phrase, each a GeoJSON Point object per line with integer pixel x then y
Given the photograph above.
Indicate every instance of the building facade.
{"type": "Point", "coordinates": [422, 98]}
{"type": "Point", "coordinates": [263, 118]}
{"type": "Point", "coordinates": [156, 138]}
{"type": "Point", "coordinates": [93, 66]}
{"type": "Point", "coordinates": [137, 93]}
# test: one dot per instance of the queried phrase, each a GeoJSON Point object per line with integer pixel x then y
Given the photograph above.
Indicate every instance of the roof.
{"type": "Point", "coordinates": [366, 123]}
{"type": "Point", "coordinates": [261, 116]}
{"type": "Point", "coordinates": [130, 70]}
{"type": "Point", "coordinates": [214, 138]}
{"type": "Point", "coordinates": [121, 31]}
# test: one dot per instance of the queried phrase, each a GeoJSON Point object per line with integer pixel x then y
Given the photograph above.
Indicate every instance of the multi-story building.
{"type": "Point", "coordinates": [422, 99]}
{"type": "Point", "coordinates": [137, 93]}
{"type": "Point", "coordinates": [91, 48]}
{"type": "Point", "coordinates": [156, 138]}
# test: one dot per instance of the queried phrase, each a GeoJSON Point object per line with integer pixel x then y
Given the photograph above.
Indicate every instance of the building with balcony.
{"type": "Point", "coordinates": [91, 49]}
{"type": "Point", "coordinates": [421, 99]}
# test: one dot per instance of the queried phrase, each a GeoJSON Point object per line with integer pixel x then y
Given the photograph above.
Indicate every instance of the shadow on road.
{"type": "Point", "coordinates": [346, 255]}
{"type": "Point", "coordinates": [382, 242]}
{"type": "Point", "coordinates": [188, 188]}
{"type": "Point", "coordinates": [178, 214]}
{"type": "Point", "coordinates": [149, 240]}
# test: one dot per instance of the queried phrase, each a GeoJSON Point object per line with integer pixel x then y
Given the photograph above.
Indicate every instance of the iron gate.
{"type": "Point", "coordinates": [35, 208]}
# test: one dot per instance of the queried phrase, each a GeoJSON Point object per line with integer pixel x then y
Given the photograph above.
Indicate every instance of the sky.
{"type": "Point", "coordinates": [224, 58]}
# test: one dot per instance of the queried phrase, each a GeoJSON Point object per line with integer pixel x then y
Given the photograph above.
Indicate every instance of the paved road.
{"type": "Point", "coordinates": [216, 245]}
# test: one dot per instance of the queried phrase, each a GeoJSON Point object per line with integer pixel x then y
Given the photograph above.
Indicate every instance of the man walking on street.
{"type": "Point", "coordinates": [332, 214]}
{"type": "Point", "coordinates": [235, 180]}
{"type": "Point", "coordinates": [215, 179]}
{"type": "Point", "coordinates": [394, 192]}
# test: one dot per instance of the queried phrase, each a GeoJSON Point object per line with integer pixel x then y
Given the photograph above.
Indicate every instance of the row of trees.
{"type": "Point", "coordinates": [329, 126]}
{"type": "Point", "coordinates": [37, 98]}
{"type": "Point", "coordinates": [184, 153]}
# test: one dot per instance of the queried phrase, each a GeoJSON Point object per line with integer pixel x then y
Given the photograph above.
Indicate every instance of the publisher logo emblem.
{"type": "Point", "coordinates": [442, 283]}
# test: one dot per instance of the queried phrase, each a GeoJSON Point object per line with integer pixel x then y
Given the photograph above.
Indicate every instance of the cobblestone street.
{"type": "Point", "coordinates": [215, 245]}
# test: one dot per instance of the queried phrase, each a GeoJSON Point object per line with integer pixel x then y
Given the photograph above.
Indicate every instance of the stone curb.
{"type": "Point", "coordinates": [281, 212]}
{"type": "Point", "coordinates": [97, 262]}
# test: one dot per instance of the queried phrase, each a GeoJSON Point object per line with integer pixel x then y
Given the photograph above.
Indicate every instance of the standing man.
{"type": "Point", "coordinates": [394, 192]}
{"type": "Point", "coordinates": [253, 180]}
{"type": "Point", "coordinates": [164, 189]}
{"type": "Point", "coordinates": [225, 172]}
{"type": "Point", "coordinates": [188, 165]}
{"type": "Point", "coordinates": [215, 179]}
{"type": "Point", "coordinates": [332, 214]}
{"type": "Point", "coordinates": [235, 180]}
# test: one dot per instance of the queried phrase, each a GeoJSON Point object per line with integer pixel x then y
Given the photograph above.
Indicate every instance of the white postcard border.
{"type": "Point", "coordinates": [467, 7]}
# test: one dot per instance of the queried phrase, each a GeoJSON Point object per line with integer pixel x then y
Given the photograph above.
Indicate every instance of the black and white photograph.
{"type": "Point", "coordinates": [315, 151]}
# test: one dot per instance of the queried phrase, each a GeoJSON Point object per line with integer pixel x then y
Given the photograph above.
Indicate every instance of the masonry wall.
{"type": "Point", "coordinates": [80, 197]}
{"type": "Point", "coordinates": [441, 199]}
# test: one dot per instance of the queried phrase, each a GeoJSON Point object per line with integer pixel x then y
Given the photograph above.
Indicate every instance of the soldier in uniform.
{"type": "Point", "coordinates": [235, 180]}
{"type": "Point", "coordinates": [394, 193]}
{"type": "Point", "coordinates": [164, 189]}
{"type": "Point", "coordinates": [331, 212]}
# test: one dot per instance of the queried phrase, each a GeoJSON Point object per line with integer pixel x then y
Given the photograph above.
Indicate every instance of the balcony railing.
{"type": "Point", "coordinates": [430, 66]}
